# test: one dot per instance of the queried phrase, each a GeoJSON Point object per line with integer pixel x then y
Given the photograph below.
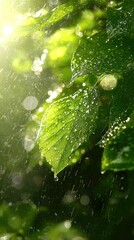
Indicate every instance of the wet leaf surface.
{"type": "Point", "coordinates": [98, 55]}
{"type": "Point", "coordinates": [120, 20]}
{"type": "Point", "coordinates": [66, 124]}
{"type": "Point", "coordinates": [118, 155]}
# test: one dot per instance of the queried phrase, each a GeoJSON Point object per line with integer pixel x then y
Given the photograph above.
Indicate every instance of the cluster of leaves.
{"type": "Point", "coordinates": [71, 121]}
{"type": "Point", "coordinates": [18, 221]}
{"type": "Point", "coordinates": [92, 119]}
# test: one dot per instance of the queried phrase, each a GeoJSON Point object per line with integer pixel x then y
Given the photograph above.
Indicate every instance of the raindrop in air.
{"type": "Point", "coordinates": [28, 144]}
{"type": "Point", "coordinates": [67, 224]}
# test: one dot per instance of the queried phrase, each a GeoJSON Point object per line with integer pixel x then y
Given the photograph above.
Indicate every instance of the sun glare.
{"type": "Point", "coordinates": [7, 30]}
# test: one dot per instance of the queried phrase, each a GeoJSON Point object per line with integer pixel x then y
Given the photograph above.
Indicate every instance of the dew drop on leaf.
{"type": "Point", "coordinates": [108, 82]}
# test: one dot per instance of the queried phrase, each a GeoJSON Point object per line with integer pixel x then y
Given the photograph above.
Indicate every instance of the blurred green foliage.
{"type": "Point", "coordinates": [53, 57]}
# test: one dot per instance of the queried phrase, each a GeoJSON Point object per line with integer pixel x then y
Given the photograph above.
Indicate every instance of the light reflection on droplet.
{"type": "Point", "coordinates": [83, 151]}
{"type": "Point", "coordinates": [56, 179]}
{"type": "Point", "coordinates": [69, 197]}
{"type": "Point", "coordinates": [54, 94]}
{"type": "Point", "coordinates": [17, 180]}
{"type": "Point", "coordinates": [37, 66]}
{"type": "Point", "coordinates": [40, 109]}
{"type": "Point", "coordinates": [74, 160]}
{"type": "Point", "coordinates": [67, 224]}
{"type": "Point", "coordinates": [28, 144]}
{"type": "Point", "coordinates": [4, 237]}
{"type": "Point", "coordinates": [30, 103]}
{"type": "Point", "coordinates": [108, 82]}
{"type": "Point", "coordinates": [84, 200]}
{"type": "Point", "coordinates": [10, 204]}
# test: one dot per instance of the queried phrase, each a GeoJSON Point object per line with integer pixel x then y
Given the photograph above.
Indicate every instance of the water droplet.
{"type": "Point", "coordinates": [108, 82]}
{"type": "Point", "coordinates": [17, 180]}
{"type": "Point", "coordinates": [30, 103]}
{"type": "Point", "coordinates": [74, 160]}
{"type": "Point", "coordinates": [28, 144]}
{"type": "Point", "coordinates": [56, 179]}
{"type": "Point", "coordinates": [67, 224]}
{"type": "Point", "coordinates": [84, 200]}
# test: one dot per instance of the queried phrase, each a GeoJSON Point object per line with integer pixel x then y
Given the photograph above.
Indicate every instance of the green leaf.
{"type": "Point", "coordinates": [114, 131]}
{"type": "Point", "coordinates": [119, 145]}
{"type": "Point", "coordinates": [118, 141]}
{"type": "Point", "coordinates": [120, 19]}
{"type": "Point", "coordinates": [123, 98]}
{"type": "Point", "coordinates": [63, 10]}
{"type": "Point", "coordinates": [122, 105]}
{"type": "Point", "coordinates": [119, 154]}
{"type": "Point", "coordinates": [60, 12]}
{"type": "Point", "coordinates": [18, 218]}
{"type": "Point", "coordinates": [98, 55]}
{"type": "Point", "coordinates": [66, 124]}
